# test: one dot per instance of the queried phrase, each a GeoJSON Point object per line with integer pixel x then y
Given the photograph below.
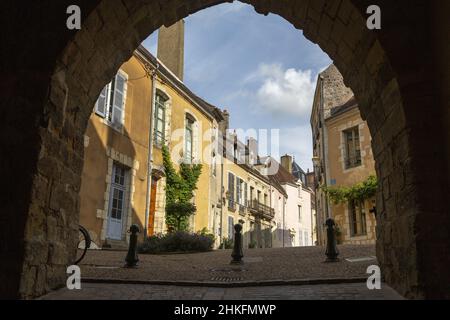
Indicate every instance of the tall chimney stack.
{"type": "Point", "coordinates": [286, 162]}
{"type": "Point", "coordinates": [171, 48]}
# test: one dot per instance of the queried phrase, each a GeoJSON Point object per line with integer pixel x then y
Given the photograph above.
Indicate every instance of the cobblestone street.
{"type": "Point", "coordinates": [95, 291]}
{"type": "Point", "coordinates": [280, 264]}
{"type": "Point", "coordinates": [278, 274]}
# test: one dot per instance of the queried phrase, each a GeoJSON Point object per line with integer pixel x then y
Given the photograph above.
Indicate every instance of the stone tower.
{"type": "Point", "coordinates": [171, 48]}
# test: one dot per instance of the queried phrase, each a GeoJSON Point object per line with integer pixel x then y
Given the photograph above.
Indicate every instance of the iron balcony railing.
{"type": "Point", "coordinates": [261, 210]}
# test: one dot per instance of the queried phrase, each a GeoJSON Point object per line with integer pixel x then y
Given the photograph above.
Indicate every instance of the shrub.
{"type": "Point", "coordinates": [229, 243]}
{"type": "Point", "coordinates": [179, 241]}
{"type": "Point", "coordinates": [252, 245]}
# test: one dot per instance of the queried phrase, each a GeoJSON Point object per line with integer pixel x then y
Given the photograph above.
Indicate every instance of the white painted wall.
{"type": "Point", "coordinates": [298, 227]}
{"type": "Point", "coordinates": [278, 203]}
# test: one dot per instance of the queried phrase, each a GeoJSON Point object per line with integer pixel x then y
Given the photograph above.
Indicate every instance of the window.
{"type": "Point", "coordinates": [357, 219]}
{"type": "Point", "coordinates": [300, 214]}
{"type": "Point", "coordinates": [160, 119]}
{"type": "Point", "coordinates": [245, 193]}
{"type": "Point", "coordinates": [111, 102]}
{"type": "Point", "coordinates": [231, 191]}
{"type": "Point", "coordinates": [238, 190]}
{"type": "Point", "coordinates": [352, 148]}
{"type": "Point", "coordinates": [189, 139]}
{"type": "Point", "coordinates": [231, 228]}
{"type": "Point", "coordinates": [306, 241]}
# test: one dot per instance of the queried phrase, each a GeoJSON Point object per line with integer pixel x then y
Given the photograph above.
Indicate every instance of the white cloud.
{"type": "Point", "coordinates": [282, 91]}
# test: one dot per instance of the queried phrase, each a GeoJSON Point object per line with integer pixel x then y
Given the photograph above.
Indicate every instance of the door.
{"type": "Point", "coordinates": [151, 218]}
{"type": "Point", "coordinates": [117, 203]}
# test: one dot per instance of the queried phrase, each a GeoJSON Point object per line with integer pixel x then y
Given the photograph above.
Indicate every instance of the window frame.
{"type": "Point", "coordinates": [352, 156]}
{"type": "Point", "coordinates": [108, 114]}
{"type": "Point", "coordinates": [159, 138]}
{"type": "Point", "coordinates": [357, 218]}
{"type": "Point", "coordinates": [189, 132]}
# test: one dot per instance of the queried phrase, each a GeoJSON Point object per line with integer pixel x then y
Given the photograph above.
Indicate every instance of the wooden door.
{"type": "Point", "coordinates": [151, 218]}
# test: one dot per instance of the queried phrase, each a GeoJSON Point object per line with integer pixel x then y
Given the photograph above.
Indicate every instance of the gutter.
{"type": "Point", "coordinates": [150, 152]}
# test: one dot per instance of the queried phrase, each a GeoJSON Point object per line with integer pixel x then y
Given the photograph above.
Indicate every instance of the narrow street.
{"type": "Point", "coordinates": [279, 273]}
{"type": "Point", "coordinates": [351, 291]}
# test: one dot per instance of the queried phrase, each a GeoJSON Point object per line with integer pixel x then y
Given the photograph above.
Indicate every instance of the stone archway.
{"type": "Point", "coordinates": [53, 78]}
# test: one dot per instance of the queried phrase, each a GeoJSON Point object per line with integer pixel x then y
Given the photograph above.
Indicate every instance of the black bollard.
{"type": "Point", "coordinates": [132, 257]}
{"type": "Point", "coordinates": [238, 252]}
{"type": "Point", "coordinates": [332, 251]}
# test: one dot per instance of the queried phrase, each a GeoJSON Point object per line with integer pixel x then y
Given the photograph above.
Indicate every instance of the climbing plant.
{"type": "Point", "coordinates": [180, 187]}
{"type": "Point", "coordinates": [358, 192]}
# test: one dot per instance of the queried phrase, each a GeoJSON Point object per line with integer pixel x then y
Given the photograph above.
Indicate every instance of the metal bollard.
{"type": "Point", "coordinates": [332, 251]}
{"type": "Point", "coordinates": [132, 257]}
{"type": "Point", "coordinates": [238, 252]}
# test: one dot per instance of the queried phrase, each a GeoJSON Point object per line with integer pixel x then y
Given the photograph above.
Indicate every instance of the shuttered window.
{"type": "Point", "coordinates": [231, 190]}
{"type": "Point", "coordinates": [111, 102]}
{"type": "Point", "coordinates": [231, 228]}
{"type": "Point", "coordinates": [189, 143]}
{"type": "Point", "coordinates": [101, 106]}
{"type": "Point", "coordinates": [160, 119]}
{"type": "Point", "coordinates": [238, 190]}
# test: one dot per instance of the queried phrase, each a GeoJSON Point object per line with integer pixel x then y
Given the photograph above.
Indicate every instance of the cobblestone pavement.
{"type": "Point", "coordinates": [96, 291]}
{"type": "Point", "coordinates": [280, 264]}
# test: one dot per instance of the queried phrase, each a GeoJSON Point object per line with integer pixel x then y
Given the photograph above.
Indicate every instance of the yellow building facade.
{"type": "Point", "coordinates": [355, 221]}
{"type": "Point", "coordinates": [342, 158]}
{"type": "Point", "coordinates": [117, 189]}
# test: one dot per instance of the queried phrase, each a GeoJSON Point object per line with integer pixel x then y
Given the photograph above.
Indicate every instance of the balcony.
{"type": "Point", "coordinates": [261, 210]}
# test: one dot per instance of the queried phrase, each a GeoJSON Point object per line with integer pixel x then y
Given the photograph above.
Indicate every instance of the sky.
{"type": "Point", "coordinates": [260, 68]}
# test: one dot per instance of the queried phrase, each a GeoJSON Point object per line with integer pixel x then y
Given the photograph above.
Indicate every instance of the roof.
{"type": "Point", "coordinates": [297, 171]}
{"type": "Point", "coordinates": [212, 110]}
{"type": "Point", "coordinates": [349, 105]}
{"type": "Point", "coordinates": [282, 176]}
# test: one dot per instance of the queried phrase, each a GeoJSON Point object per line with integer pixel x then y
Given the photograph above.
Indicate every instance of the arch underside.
{"type": "Point", "coordinates": [390, 71]}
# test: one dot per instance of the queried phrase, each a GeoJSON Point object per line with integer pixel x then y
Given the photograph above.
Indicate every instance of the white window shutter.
{"type": "Point", "coordinates": [195, 142]}
{"type": "Point", "coordinates": [118, 106]}
{"type": "Point", "coordinates": [101, 106]}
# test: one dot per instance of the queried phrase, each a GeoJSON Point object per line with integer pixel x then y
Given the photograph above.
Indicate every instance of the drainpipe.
{"type": "Point", "coordinates": [150, 151]}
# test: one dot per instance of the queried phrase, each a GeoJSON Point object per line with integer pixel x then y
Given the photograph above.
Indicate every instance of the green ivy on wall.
{"type": "Point", "coordinates": [180, 187]}
{"type": "Point", "coordinates": [358, 192]}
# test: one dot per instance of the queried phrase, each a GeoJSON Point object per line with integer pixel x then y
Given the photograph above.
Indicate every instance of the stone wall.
{"type": "Point", "coordinates": [52, 76]}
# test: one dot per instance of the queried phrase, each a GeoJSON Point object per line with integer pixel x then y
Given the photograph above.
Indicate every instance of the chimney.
{"type": "Point", "coordinates": [225, 124]}
{"type": "Point", "coordinates": [286, 162]}
{"type": "Point", "coordinates": [171, 48]}
{"type": "Point", "coordinates": [252, 146]}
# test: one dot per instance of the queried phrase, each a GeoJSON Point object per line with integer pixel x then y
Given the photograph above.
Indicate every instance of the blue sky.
{"type": "Point", "coordinates": [260, 68]}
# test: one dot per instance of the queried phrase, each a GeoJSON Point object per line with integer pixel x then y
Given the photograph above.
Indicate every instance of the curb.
{"type": "Point", "coordinates": [261, 283]}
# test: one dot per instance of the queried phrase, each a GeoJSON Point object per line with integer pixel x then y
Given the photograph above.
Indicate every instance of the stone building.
{"type": "Point", "coordinates": [342, 158]}
{"type": "Point", "coordinates": [249, 198]}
